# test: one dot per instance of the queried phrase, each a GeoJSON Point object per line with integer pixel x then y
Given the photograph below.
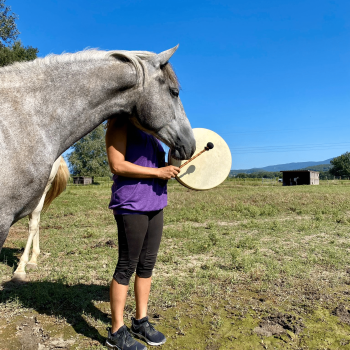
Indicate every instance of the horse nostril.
{"type": "Point", "coordinates": [175, 154]}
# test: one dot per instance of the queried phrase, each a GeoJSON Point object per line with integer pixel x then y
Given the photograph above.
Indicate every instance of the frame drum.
{"type": "Point", "coordinates": [209, 169]}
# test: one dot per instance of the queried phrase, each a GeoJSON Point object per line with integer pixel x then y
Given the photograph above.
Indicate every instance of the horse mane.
{"type": "Point", "coordinates": [136, 58]}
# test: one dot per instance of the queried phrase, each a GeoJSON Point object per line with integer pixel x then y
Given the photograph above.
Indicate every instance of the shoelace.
{"type": "Point", "coordinates": [128, 338]}
{"type": "Point", "coordinates": [150, 325]}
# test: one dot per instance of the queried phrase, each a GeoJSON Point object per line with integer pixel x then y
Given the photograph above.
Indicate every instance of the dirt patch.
{"type": "Point", "coordinates": [266, 329]}
{"type": "Point", "coordinates": [110, 243]}
{"type": "Point", "coordinates": [342, 313]}
{"type": "Point", "coordinates": [55, 227]}
{"type": "Point", "coordinates": [32, 336]}
{"type": "Point", "coordinates": [312, 292]}
{"type": "Point", "coordinates": [212, 347]}
{"type": "Point", "coordinates": [278, 324]}
{"type": "Point", "coordinates": [18, 232]}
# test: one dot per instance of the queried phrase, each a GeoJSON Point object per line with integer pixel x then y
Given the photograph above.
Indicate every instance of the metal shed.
{"type": "Point", "coordinates": [300, 177]}
{"type": "Point", "coordinates": [83, 180]}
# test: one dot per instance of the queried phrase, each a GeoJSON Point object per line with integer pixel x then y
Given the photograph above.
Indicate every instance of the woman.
{"type": "Point", "coordinates": [139, 194]}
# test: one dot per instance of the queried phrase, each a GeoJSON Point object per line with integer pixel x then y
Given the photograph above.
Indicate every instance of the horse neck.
{"type": "Point", "coordinates": [94, 95]}
{"type": "Point", "coordinates": [76, 97]}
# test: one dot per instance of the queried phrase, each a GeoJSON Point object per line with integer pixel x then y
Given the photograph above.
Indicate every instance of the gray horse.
{"type": "Point", "coordinates": [50, 103]}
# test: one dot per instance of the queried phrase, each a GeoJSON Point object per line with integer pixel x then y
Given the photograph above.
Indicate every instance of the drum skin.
{"type": "Point", "coordinates": [209, 169]}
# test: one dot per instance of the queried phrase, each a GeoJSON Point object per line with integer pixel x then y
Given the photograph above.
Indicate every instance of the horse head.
{"type": "Point", "coordinates": [159, 110]}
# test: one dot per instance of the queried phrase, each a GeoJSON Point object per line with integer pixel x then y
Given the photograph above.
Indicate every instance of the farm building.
{"type": "Point", "coordinates": [83, 180]}
{"type": "Point", "coordinates": [300, 177]}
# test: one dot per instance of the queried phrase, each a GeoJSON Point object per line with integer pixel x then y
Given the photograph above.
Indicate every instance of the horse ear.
{"type": "Point", "coordinates": [162, 58]}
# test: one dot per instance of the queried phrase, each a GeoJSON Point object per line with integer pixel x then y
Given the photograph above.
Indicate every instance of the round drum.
{"type": "Point", "coordinates": [209, 169]}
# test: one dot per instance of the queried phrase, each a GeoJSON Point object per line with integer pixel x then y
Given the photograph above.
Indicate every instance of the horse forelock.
{"type": "Point", "coordinates": [171, 75]}
{"type": "Point", "coordinates": [136, 58]}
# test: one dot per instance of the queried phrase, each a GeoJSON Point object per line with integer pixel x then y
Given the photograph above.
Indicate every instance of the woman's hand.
{"type": "Point", "coordinates": [168, 172]}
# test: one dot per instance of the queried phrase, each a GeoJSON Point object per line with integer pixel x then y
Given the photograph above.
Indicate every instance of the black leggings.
{"type": "Point", "coordinates": [138, 240]}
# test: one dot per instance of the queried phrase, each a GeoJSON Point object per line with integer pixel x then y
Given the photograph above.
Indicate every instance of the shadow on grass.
{"type": "Point", "coordinates": [10, 256]}
{"type": "Point", "coordinates": [61, 300]}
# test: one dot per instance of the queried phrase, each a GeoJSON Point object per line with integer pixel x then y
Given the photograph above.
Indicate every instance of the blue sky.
{"type": "Point", "coordinates": [271, 77]}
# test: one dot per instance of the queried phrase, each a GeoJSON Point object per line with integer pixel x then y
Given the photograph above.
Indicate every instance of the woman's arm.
{"type": "Point", "coordinates": [116, 137]}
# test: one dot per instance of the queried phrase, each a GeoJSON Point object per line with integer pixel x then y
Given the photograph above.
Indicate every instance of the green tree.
{"type": "Point", "coordinates": [8, 27]}
{"type": "Point", "coordinates": [16, 53]}
{"type": "Point", "coordinates": [341, 165]}
{"type": "Point", "coordinates": [89, 157]}
{"type": "Point", "coordinates": [325, 175]}
{"type": "Point", "coordinates": [12, 50]}
{"type": "Point", "coordinates": [242, 175]}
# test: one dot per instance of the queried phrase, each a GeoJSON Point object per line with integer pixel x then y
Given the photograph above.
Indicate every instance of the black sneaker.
{"type": "Point", "coordinates": [122, 340]}
{"type": "Point", "coordinates": [144, 330]}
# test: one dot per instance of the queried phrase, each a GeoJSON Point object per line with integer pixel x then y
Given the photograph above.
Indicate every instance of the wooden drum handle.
{"type": "Point", "coordinates": [206, 148]}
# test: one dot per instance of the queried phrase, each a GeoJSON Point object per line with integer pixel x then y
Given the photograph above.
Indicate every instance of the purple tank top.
{"type": "Point", "coordinates": [132, 195]}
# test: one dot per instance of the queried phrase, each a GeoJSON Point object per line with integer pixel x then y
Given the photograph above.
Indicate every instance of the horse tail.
{"type": "Point", "coordinates": [58, 185]}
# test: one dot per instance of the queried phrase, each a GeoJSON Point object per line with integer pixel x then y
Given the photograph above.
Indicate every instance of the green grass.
{"type": "Point", "coordinates": [233, 262]}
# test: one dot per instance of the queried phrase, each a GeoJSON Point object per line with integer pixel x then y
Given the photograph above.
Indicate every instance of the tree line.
{"type": "Point", "coordinates": [259, 175]}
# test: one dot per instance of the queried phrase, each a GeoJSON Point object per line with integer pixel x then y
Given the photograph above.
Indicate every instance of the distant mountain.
{"type": "Point", "coordinates": [321, 167]}
{"type": "Point", "coordinates": [289, 166]}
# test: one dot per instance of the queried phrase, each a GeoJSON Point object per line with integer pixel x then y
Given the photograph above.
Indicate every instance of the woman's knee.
{"type": "Point", "coordinates": [122, 275]}
{"type": "Point", "coordinates": [145, 270]}
{"type": "Point", "coordinates": [144, 273]}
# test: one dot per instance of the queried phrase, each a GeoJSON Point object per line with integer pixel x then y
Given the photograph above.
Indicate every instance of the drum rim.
{"type": "Point", "coordinates": [201, 189]}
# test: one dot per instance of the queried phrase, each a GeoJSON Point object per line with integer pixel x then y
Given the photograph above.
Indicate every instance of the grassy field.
{"type": "Point", "coordinates": [243, 266]}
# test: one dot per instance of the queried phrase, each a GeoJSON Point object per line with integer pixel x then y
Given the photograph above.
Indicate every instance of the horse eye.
{"type": "Point", "coordinates": [174, 92]}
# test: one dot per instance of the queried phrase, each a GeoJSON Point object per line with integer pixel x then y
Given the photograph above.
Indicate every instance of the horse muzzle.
{"type": "Point", "coordinates": [185, 151]}
{"type": "Point", "coordinates": [180, 140]}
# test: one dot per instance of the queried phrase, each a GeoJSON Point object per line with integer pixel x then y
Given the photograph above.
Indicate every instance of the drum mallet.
{"type": "Point", "coordinates": [209, 146]}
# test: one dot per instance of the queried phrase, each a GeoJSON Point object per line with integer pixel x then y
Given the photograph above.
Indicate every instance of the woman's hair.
{"type": "Point", "coordinates": [117, 121]}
